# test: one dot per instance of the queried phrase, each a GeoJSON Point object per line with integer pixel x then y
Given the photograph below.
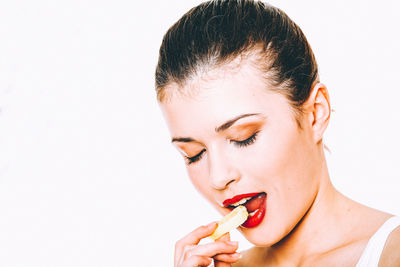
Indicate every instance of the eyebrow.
{"type": "Point", "coordinates": [221, 128]}
{"type": "Point", "coordinates": [182, 139]}
{"type": "Point", "coordinates": [229, 123]}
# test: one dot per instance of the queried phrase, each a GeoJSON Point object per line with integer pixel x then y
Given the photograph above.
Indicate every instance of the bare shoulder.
{"type": "Point", "coordinates": [391, 253]}
{"type": "Point", "coordinates": [255, 256]}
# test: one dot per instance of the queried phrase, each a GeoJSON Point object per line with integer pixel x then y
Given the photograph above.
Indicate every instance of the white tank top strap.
{"type": "Point", "coordinates": [374, 248]}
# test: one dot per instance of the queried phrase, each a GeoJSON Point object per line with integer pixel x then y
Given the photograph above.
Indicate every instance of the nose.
{"type": "Point", "coordinates": [222, 169]}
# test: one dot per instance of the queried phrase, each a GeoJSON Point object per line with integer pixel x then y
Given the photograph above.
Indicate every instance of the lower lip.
{"type": "Point", "coordinates": [256, 219]}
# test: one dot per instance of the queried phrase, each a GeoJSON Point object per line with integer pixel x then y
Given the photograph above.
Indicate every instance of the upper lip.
{"type": "Point", "coordinates": [237, 198]}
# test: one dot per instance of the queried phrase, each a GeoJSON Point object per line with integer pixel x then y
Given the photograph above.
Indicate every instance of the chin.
{"type": "Point", "coordinates": [259, 240]}
{"type": "Point", "coordinates": [265, 235]}
{"type": "Point", "coordinates": [259, 236]}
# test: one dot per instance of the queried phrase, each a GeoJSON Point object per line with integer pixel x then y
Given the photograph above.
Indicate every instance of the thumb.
{"type": "Point", "coordinates": [225, 237]}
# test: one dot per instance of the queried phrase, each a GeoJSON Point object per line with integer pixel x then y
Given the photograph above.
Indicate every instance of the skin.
{"type": "Point", "coordinates": [308, 222]}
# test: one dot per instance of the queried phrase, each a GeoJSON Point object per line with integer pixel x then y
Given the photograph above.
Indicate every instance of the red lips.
{"type": "Point", "coordinates": [257, 203]}
{"type": "Point", "coordinates": [237, 198]}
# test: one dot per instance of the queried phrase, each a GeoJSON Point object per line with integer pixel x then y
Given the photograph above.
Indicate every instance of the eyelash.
{"type": "Point", "coordinates": [242, 143]}
{"type": "Point", "coordinates": [246, 142]}
{"type": "Point", "coordinates": [190, 160]}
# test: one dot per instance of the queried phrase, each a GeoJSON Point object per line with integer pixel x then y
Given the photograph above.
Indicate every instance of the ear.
{"type": "Point", "coordinates": [318, 109]}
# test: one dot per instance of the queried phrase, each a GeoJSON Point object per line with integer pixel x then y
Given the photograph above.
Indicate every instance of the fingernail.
{"type": "Point", "coordinates": [233, 243]}
{"type": "Point", "coordinates": [237, 255]}
{"type": "Point", "coordinates": [210, 224]}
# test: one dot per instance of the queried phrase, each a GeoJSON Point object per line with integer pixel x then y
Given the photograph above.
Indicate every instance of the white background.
{"type": "Point", "coordinates": [87, 173]}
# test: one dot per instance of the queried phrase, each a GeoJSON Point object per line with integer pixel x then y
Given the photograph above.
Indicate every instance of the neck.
{"type": "Point", "coordinates": [319, 230]}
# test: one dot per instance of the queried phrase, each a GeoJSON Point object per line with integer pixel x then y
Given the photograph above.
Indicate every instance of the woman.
{"type": "Point", "coordinates": [239, 87]}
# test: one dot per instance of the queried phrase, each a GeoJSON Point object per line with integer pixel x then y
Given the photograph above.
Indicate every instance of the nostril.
{"type": "Point", "coordinates": [222, 185]}
{"type": "Point", "coordinates": [228, 183]}
{"type": "Point", "coordinates": [222, 177]}
{"type": "Point", "coordinates": [222, 172]}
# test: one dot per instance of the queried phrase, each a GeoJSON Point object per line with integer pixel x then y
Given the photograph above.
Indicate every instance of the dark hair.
{"type": "Point", "coordinates": [216, 32]}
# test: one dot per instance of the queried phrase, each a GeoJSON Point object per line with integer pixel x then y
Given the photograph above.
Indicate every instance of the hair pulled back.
{"type": "Point", "coordinates": [216, 32]}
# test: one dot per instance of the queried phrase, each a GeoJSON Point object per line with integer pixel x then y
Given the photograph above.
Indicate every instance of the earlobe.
{"type": "Point", "coordinates": [320, 110]}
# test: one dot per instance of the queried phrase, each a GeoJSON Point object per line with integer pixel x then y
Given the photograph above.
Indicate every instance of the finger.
{"type": "Point", "coordinates": [219, 259]}
{"type": "Point", "coordinates": [229, 258]}
{"type": "Point", "coordinates": [225, 237]}
{"type": "Point", "coordinates": [211, 249]}
{"type": "Point", "coordinates": [197, 261]}
{"type": "Point", "coordinates": [182, 257]}
{"type": "Point", "coordinates": [221, 264]}
{"type": "Point", "coordinates": [193, 238]}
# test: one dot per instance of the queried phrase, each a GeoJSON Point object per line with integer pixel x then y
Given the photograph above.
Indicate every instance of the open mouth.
{"type": "Point", "coordinates": [255, 204]}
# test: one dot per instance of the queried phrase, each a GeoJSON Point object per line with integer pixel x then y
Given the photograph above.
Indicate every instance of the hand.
{"type": "Point", "coordinates": [189, 254]}
{"type": "Point", "coordinates": [221, 260]}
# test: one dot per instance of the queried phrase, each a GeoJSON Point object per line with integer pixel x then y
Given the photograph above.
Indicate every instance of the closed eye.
{"type": "Point", "coordinates": [246, 142]}
{"type": "Point", "coordinates": [242, 143]}
{"type": "Point", "coordinates": [190, 160]}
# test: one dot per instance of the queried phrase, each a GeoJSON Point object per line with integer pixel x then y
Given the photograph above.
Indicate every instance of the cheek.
{"type": "Point", "coordinates": [290, 181]}
{"type": "Point", "coordinates": [198, 174]}
{"type": "Point", "coordinates": [280, 166]}
{"type": "Point", "coordinates": [271, 156]}
{"type": "Point", "coordinates": [279, 163]}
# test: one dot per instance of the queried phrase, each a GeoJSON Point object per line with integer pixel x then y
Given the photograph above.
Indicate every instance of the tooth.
{"type": "Point", "coordinates": [254, 212]}
{"type": "Point", "coordinates": [242, 201]}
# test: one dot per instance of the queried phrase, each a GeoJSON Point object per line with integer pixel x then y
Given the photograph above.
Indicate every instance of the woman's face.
{"type": "Point", "coordinates": [241, 142]}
